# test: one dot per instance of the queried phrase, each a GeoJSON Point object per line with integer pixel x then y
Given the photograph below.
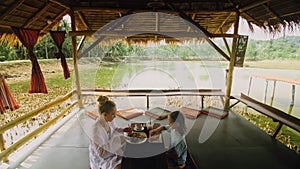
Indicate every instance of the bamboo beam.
{"type": "Point", "coordinates": [108, 27]}
{"type": "Point", "coordinates": [253, 5]}
{"type": "Point", "coordinates": [83, 20]}
{"type": "Point", "coordinates": [36, 15]}
{"type": "Point", "coordinates": [247, 15]}
{"type": "Point", "coordinates": [47, 106]}
{"type": "Point", "coordinates": [130, 33]}
{"type": "Point", "coordinates": [275, 14]}
{"type": "Point", "coordinates": [254, 20]}
{"type": "Point", "coordinates": [224, 35]}
{"type": "Point", "coordinates": [186, 17]}
{"type": "Point", "coordinates": [11, 9]}
{"type": "Point", "coordinates": [226, 43]}
{"type": "Point", "coordinates": [231, 63]}
{"type": "Point", "coordinates": [157, 22]}
{"type": "Point", "coordinates": [289, 14]}
{"type": "Point", "coordinates": [75, 60]}
{"type": "Point", "coordinates": [193, 18]}
{"type": "Point", "coordinates": [81, 42]}
{"type": "Point", "coordinates": [222, 24]}
{"type": "Point", "coordinates": [56, 19]}
{"type": "Point", "coordinates": [33, 134]}
{"type": "Point", "coordinates": [124, 10]}
{"type": "Point", "coordinates": [62, 4]}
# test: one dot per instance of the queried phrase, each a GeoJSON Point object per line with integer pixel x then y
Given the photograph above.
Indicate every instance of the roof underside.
{"type": "Point", "coordinates": [213, 16]}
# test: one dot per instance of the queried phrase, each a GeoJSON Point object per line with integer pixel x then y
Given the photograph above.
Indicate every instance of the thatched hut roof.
{"type": "Point", "coordinates": [213, 16]}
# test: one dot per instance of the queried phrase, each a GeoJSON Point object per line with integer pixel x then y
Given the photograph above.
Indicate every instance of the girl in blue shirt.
{"type": "Point", "coordinates": [177, 131]}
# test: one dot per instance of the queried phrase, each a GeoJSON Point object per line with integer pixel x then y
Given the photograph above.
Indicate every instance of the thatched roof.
{"type": "Point", "coordinates": [213, 16]}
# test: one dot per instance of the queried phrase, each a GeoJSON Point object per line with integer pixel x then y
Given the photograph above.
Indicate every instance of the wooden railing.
{"type": "Point", "coordinates": [5, 152]}
{"type": "Point", "coordinates": [156, 93]}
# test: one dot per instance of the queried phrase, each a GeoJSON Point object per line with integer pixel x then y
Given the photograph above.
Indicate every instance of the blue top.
{"type": "Point", "coordinates": [179, 143]}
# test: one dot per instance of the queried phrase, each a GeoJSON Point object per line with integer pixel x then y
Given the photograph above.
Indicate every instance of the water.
{"type": "Point", "coordinates": [203, 75]}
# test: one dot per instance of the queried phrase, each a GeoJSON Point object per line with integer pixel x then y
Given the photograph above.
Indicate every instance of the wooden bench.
{"type": "Point", "coordinates": [274, 113]}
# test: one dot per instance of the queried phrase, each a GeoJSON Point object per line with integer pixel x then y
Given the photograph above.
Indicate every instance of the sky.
{"type": "Point", "coordinates": [260, 34]}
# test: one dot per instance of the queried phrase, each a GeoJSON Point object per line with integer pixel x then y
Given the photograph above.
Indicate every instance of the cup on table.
{"type": "Point", "coordinates": [139, 126]}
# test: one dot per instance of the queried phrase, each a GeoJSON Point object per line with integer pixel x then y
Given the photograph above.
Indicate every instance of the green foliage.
{"type": "Point", "coordinates": [282, 48]}
{"type": "Point", "coordinates": [44, 49]}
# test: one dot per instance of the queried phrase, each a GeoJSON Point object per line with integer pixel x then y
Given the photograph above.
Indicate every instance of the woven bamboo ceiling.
{"type": "Point", "coordinates": [213, 17]}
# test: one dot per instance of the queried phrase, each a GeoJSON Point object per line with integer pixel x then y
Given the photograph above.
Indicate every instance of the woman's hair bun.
{"type": "Point", "coordinates": [102, 100]}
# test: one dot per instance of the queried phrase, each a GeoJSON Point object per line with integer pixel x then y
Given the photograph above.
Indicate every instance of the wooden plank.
{"type": "Point", "coordinates": [55, 20]}
{"type": "Point", "coordinates": [222, 24]}
{"type": "Point", "coordinates": [36, 16]}
{"type": "Point", "coordinates": [253, 5]}
{"type": "Point", "coordinates": [11, 9]}
{"type": "Point", "coordinates": [62, 4]}
{"type": "Point", "coordinates": [277, 78]}
{"type": "Point", "coordinates": [156, 90]}
{"type": "Point", "coordinates": [269, 111]}
{"type": "Point", "coordinates": [83, 20]}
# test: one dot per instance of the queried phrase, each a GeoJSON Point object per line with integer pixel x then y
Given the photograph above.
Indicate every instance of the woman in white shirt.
{"type": "Point", "coordinates": [107, 140]}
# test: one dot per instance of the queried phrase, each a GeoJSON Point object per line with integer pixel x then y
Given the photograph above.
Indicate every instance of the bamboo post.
{"type": "Point", "coordinates": [231, 63]}
{"type": "Point", "coordinates": [148, 102]}
{"type": "Point", "coordinates": [273, 93]}
{"type": "Point", "coordinates": [75, 60]}
{"type": "Point", "coordinates": [3, 147]}
{"type": "Point", "coordinates": [249, 86]}
{"type": "Point", "coordinates": [293, 99]}
{"type": "Point", "coordinates": [266, 91]}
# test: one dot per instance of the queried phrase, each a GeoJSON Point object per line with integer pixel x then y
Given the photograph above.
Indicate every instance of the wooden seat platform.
{"type": "Point", "coordinates": [272, 112]}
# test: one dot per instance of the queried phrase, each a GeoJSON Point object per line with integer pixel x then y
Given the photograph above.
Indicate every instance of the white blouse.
{"type": "Point", "coordinates": [106, 145]}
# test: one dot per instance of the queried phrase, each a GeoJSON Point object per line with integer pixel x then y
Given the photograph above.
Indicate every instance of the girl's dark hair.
{"type": "Point", "coordinates": [107, 107]}
{"type": "Point", "coordinates": [177, 117]}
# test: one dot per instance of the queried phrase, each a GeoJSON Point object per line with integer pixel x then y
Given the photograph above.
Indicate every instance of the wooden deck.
{"type": "Point", "coordinates": [232, 142]}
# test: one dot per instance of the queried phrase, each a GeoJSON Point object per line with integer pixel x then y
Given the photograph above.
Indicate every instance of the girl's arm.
{"type": "Point", "coordinates": [157, 130]}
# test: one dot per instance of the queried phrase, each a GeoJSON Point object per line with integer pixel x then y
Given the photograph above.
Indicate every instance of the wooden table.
{"type": "Point", "coordinates": [146, 155]}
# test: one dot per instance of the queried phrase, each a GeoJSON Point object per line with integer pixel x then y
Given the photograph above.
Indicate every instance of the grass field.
{"type": "Point", "coordinates": [277, 64]}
